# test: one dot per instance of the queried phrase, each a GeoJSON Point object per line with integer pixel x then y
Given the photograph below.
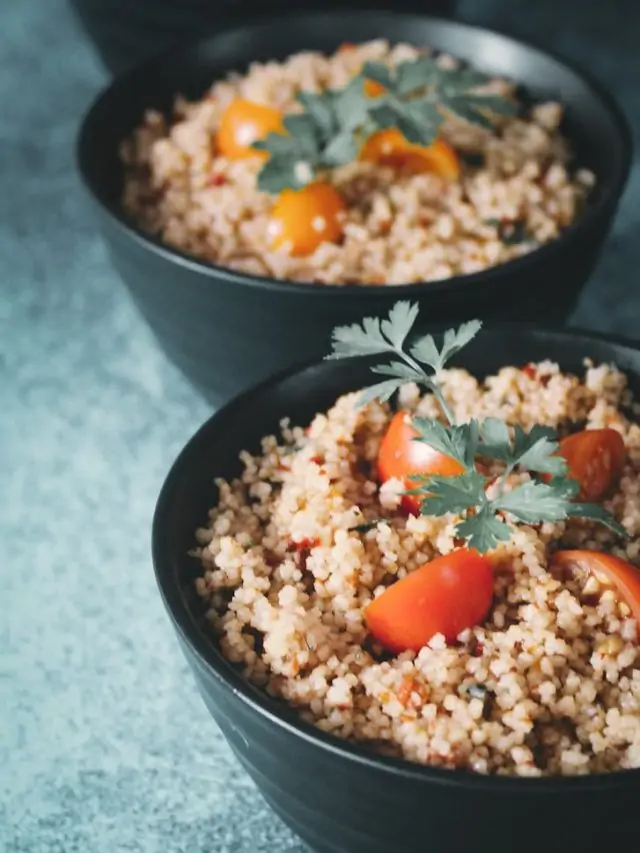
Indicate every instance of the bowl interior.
{"type": "Point", "coordinates": [189, 491]}
{"type": "Point", "coordinates": [592, 122]}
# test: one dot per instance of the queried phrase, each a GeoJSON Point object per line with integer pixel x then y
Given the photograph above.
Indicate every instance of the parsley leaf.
{"type": "Point", "coordinates": [533, 502]}
{"type": "Point", "coordinates": [381, 391]}
{"type": "Point", "coordinates": [483, 531]}
{"type": "Point", "coordinates": [458, 494]}
{"type": "Point", "coordinates": [535, 451]}
{"type": "Point", "coordinates": [400, 322]}
{"type": "Point", "coordinates": [426, 351]}
{"type": "Point", "coordinates": [595, 512]}
{"type": "Point", "coordinates": [460, 442]}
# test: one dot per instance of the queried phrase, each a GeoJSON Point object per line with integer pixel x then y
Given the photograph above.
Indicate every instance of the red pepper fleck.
{"type": "Point", "coordinates": [477, 649]}
{"type": "Point", "coordinates": [347, 45]}
{"type": "Point", "coordinates": [217, 179]}
{"type": "Point", "coordinates": [408, 687]}
{"type": "Point", "coordinates": [317, 459]}
{"type": "Point", "coordinates": [303, 544]}
{"type": "Point", "coordinates": [531, 371]}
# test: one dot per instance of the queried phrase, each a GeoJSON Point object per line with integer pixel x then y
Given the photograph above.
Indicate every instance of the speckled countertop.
{"type": "Point", "coordinates": [104, 744]}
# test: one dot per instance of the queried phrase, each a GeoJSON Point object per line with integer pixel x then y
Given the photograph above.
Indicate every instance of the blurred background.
{"type": "Point", "coordinates": [102, 733]}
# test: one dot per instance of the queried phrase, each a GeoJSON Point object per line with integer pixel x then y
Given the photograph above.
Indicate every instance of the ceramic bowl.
{"type": "Point", "coordinates": [338, 796]}
{"type": "Point", "coordinates": [225, 329]}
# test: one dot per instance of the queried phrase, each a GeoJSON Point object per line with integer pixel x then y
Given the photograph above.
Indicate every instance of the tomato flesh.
{"type": "Point", "coordinates": [595, 458]}
{"type": "Point", "coordinates": [400, 456]}
{"type": "Point", "coordinates": [390, 148]}
{"type": "Point", "coordinates": [444, 596]}
{"type": "Point", "coordinates": [623, 576]}
{"type": "Point", "coordinates": [243, 123]}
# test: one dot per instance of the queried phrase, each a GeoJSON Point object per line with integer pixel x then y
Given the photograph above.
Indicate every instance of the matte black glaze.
{"type": "Point", "coordinates": [226, 330]}
{"type": "Point", "coordinates": [337, 796]}
{"type": "Point", "coordinates": [126, 31]}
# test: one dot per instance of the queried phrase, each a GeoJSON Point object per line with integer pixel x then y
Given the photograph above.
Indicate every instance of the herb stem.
{"type": "Point", "coordinates": [430, 383]}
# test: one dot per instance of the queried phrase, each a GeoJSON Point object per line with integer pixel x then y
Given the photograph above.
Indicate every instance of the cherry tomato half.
{"type": "Point", "coordinates": [445, 596]}
{"type": "Point", "coordinates": [595, 458]}
{"type": "Point", "coordinates": [243, 123]}
{"type": "Point", "coordinates": [390, 148]}
{"type": "Point", "coordinates": [303, 219]}
{"type": "Point", "coordinates": [610, 570]}
{"type": "Point", "coordinates": [399, 456]}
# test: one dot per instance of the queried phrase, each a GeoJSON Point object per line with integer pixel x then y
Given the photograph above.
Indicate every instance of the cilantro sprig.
{"type": "Point", "coordinates": [416, 98]}
{"type": "Point", "coordinates": [483, 522]}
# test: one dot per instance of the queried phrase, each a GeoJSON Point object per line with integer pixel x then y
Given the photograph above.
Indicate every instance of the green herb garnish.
{"type": "Point", "coordinates": [416, 98]}
{"type": "Point", "coordinates": [483, 521]}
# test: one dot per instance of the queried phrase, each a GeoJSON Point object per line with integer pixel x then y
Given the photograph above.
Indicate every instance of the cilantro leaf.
{"type": "Point", "coordinates": [595, 512]}
{"type": "Point", "coordinates": [460, 442]}
{"type": "Point", "coordinates": [533, 502]}
{"type": "Point", "coordinates": [483, 531]}
{"type": "Point", "coordinates": [443, 495]}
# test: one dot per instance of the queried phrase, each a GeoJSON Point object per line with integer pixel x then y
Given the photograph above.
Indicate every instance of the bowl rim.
{"type": "Point", "coordinates": [610, 195]}
{"type": "Point", "coordinates": [210, 661]}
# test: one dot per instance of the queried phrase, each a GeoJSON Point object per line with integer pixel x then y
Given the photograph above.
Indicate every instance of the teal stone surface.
{"type": "Point", "coordinates": [105, 746]}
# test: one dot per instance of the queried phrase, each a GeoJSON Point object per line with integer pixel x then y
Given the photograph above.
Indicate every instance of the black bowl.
{"type": "Point", "coordinates": [226, 330]}
{"type": "Point", "coordinates": [126, 31]}
{"type": "Point", "coordinates": [337, 796]}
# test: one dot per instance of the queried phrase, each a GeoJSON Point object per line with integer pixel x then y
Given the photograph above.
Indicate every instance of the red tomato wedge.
{"type": "Point", "coordinates": [445, 596]}
{"type": "Point", "coordinates": [399, 456]}
{"type": "Point", "coordinates": [595, 458]}
{"type": "Point", "coordinates": [622, 576]}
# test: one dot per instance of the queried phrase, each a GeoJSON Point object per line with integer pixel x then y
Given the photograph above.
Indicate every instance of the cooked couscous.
{"type": "Point", "coordinates": [483, 193]}
{"type": "Point", "coordinates": [307, 537]}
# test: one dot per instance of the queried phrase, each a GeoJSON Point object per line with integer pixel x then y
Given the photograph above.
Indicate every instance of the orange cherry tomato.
{"type": "Point", "coordinates": [612, 571]}
{"type": "Point", "coordinates": [303, 219]}
{"type": "Point", "coordinates": [390, 148]}
{"type": "Point", "coordinates": [243, 123]}
{"type": "Point", "coordinates": [595, 458]}
{"type": "Point", "coordinates": [372, 88]}
{"type": "Point", "coordinates": [399, 456]}
{"type": "Point", "coordinates": [445, 596]}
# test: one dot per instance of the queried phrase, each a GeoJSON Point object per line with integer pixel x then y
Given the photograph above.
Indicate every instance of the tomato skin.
{"type": "Point", "coordinates": [390, 148]}
{"type": "Point", "coordinates": [624, 576]}
{"type": "Point", "coordinates": [444, 596]}
{"type": "Point", "coordinates": [303, 219]}
{"type": "Point", "coordinates": [595, 458]}
{"type": "Point", "coordinates": [399, 456]}
{"type": "Point", "coordinates": [373, 89]}
{"type": "Point", "coordinates": [243, 123]}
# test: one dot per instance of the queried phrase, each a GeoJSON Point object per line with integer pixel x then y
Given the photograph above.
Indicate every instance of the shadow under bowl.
{"type": "Point", "coordinates": [338, 796]}
{"type": "Point", "coordinates": [226, 330]}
